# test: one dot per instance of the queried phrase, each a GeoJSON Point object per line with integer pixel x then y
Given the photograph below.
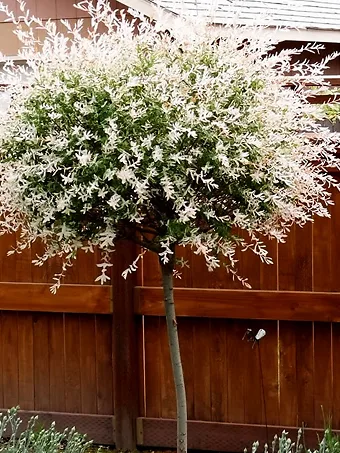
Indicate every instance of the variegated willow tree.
{"type": "Point", "coordinates": [164, 134]}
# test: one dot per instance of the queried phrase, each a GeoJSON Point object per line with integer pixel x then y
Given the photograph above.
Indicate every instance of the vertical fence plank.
{"type": "Point", "coordinates": [250, 267]}
{"type": "Point", "coordinates": [88, 380]}
{"type": "Point", "coordinates": [322, 373]}
{"type": "Point", "coordinates": [201, 356]}
{"type": "Point", "coordinates": [46, 10]}
{"type": "Point", "coordinates": [168, 396]}
{"type": "Point", "coordinates": [218, 371]}
{"type": "Point", "coordinates": [23, 265]}
{"type": "Point", "coordinates": [270, 368]}
{"type": "Point", "coordinates": [25, 360]}
{"type": "Point", "coordinates": [236, 370]}
{"type": "Point", "coordinates": [72, 364]}
{"type": "Point", "coordinates": [336, 375]}
{"type": "Point", "coordinates": [39, 273]}
{"type": "Point", "coordinates": [322, 272]}
{"type": "Point", "coordinates": [2, 390]}
{"type": "Point", "coordinates": [41, 361]}
{"type": "Point", "coordinates": [303, 257]}
{"type": "Point", "coordinates": [288, 382]}
{"type": "Point", "coordinates": [7, 263]}
{"type": "Point", "coordinates": [152, 366]}
{"type": "Point", "coordinates": [65, 9]}
{"type": "Point", "coordinates": [286, 263]}
{"type": "Point", "coordinates": [334, 242]}
{"type": "Point", "coordinates": [57, 362]}
{"type": "Point", "coordinates": [10, 359]}
{"type": "Point", "coordinates": [185, 331]}
{"type": "Point", "coordinates": [151, 270]}
{"type": "Point", "coordinates": [304, 373]}
{"type": "Point", "coordinates": [104, 363]}
{"type": "Point", "coordinates": [12, 6]}
{"type": "Point", "coordinates": [184, 253]}
{"type": "Point", "coordinates": [125, 349]}
{"type": "Point", "coordinates": [253, 378]}
{"type": "Point", "coordinates": [141, 368]}
{"type": "Point", "coordinates": [295, 260]}
{"type": "Point", "coordinates": [268, 272]}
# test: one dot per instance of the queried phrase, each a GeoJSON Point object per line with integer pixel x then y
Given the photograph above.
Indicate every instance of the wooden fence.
{"type": "Point", "coordinates": [97, 357]}
{"type": "Point", "coordinates": [292, 379]}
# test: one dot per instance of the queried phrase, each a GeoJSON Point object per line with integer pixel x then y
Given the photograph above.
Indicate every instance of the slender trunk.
{"type": "Point", "coordinates": [177, 370]}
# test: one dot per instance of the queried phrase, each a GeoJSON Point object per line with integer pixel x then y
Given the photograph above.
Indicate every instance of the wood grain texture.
{"type": "Point", "coordinates": [88, 359]}
{"type": "Point", "coordinates": [7, 263]}
{"type": "Point", "coordinates": [336, 374]}
{"type": "Point", "coordinates": [287, 263]}
{"type": "Point", "coordinates": [287, 376]}
{"type": "Point", "coordinates": [57, 362]}
{"type": "Point", "coordinates": [12, 6]}
{"type": "Point", "coordinates": [26, 360]}
{"type": "Point", "coordinates": [65, 9]}
{"type": "Point", "coordinates": [271, 305]}
{"type": "Point", "coordinates": [104, 365]}
{"type": "Point", "coordinates": [237, 371]}
{"type": "Point", "coordinates": [322, 255]}
{"type": "Point", "coordinates": [9, 43]}
{"type": "Point", "coordinates": [152, 367]}
{"type": "Point", "coordinates": [10, 358]}
{"type": "Point", "coordinates": [295, 260]}
{"type": "Point", "coordinates": [124, 329]}
{"type": "Point", "coordinates": [69, 298]}
{"type": "Point", "coordinates": [202, 369]}
{"type": "Point", "coordinates": [218, 369]}
{"type": "Point", "coordinates": [186, 338]}
{"type": "Point", "coordinates": [253, 360]}
{"type": "Point", "coordinates": [323, 374]}
{"type": "Point", "coordinates": [2, 366]}
{"type": "Point", "coordinates": [72, 363]}
{"type": "Point", "coordinates": [212, 436]}
{"type": "Point", "coordinates": [96, 427]}
{"type": "Point", "coordinates": [305, 373]}
{"type": "Point", "coordinates": [41, 362]}
{"type": "Point", "coordinates": [168, 397]}
{"type": "Point", "coordinates": [269, 356]}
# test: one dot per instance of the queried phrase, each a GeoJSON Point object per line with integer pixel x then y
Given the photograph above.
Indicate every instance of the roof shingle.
{"type": "Point", "coordinates": [313, 14]}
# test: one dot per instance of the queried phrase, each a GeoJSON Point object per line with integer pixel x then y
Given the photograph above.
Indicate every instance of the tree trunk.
{"type": "Point", "coordinates": [177, 370]}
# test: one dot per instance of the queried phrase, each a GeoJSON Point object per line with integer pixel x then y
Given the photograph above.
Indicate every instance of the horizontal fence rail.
{"type": "Point", "coordinates": [242, 304]}
{"type": "Point", "coordinates": [93, 299]}
{"type": "Point", "coordinates": [211, 436]}
{"type": "Point", "coordinates": [99, 427]}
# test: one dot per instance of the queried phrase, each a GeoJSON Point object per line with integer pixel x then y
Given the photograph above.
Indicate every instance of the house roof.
{"type": "Point", "coordinates": [310, 14]}
{"type": "Point", "coordinates": [308, 20]}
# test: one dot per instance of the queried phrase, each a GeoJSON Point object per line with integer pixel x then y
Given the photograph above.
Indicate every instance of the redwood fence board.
{"type": "Point", "coordinates": [242, 304]}
{"type": "Point", "coordinates": [210, 436]}
{"type": "Point", "coordinates": [69, 298]}
{"type": "Point", "coordinates": [97, 427]}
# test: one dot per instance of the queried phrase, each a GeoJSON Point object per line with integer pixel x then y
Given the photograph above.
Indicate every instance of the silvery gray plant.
{"type": "Point", "coordinates": [36, 439]}
{"type": "Point", "coordinates": [283, 444]}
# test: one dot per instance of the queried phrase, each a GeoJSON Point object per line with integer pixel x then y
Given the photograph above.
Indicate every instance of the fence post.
{"type": "Point", "coordinates": [125, 367]}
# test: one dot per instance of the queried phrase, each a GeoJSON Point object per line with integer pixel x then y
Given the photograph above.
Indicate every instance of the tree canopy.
{"type": "Point", "coordinates": [160, 133]}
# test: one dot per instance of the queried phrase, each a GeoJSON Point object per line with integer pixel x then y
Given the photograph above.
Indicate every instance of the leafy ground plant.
{"type": "Point", "coordinates": [329, 443]}
{"type": "Point", "coordinates": [33, 440]}
{"type": "Point", "coordinates": [282, 444]}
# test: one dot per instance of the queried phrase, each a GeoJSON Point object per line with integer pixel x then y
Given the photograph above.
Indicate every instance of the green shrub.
{"type": "Point", "coordinates": [37, 439]}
